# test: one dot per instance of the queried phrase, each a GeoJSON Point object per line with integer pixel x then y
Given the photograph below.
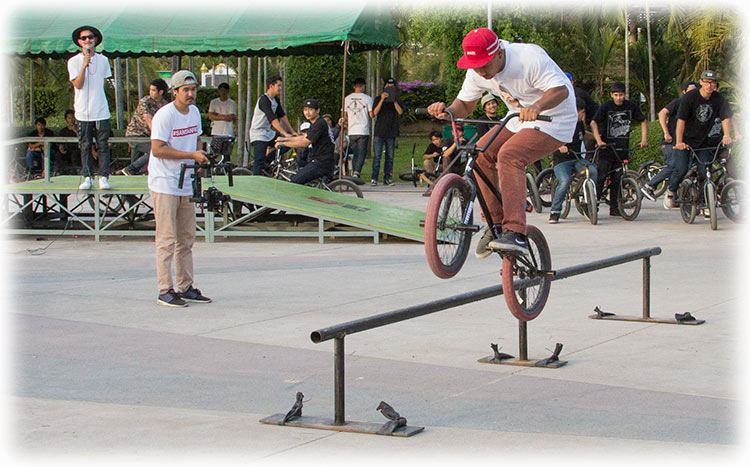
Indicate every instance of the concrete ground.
{"type": "Point", "coordinates": [97, 371]}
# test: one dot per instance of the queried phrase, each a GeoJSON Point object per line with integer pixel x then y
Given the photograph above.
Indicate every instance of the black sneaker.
{"type": "Point", "coordinates": [648, 192]}
{"type": "Point", "coordinates": [554, 217]}
{"type": "Point", "coordinates": [194, 295]}
{"type": "Point", "coordinates": [510, 242]}
{"type": "Point", "coordinates": [171, 298]}
{"type": "Point", "coordinates": [387, 182]}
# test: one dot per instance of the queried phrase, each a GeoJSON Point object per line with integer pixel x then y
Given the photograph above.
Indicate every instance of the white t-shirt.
{"type": "Point", "coordinates": [528, 73]}
{"type": "Point", "coordinates": [227, 107]}
{"type": "Point", "coordinates": [90, 102]}
{"type": "Point", "coordinates": [358, 107]}
{"type": "Point", "coordinates": [180, 132]}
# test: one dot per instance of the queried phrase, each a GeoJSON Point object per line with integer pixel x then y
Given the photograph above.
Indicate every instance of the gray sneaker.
{"type": "Point", "coordinates": [374, 182]}
{"type": "Point", "coordinates": [510, 242]}
{"type": "Point", "coordinates": [482, 250]}
{"type": "Point", "coordinates": [171, 298]}
{"type": "Point", "coordinates": [668, 200]}
{"type": "Point", "coordinates": [194, 295]}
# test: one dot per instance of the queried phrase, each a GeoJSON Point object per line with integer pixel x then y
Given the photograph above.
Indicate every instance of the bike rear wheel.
{"type": "Point", "coordinates": [528, 302]}
{"type": "Point", "coordinates": [650, 172]}
{"type": "Point", "coordinates": [733, 200]}
{"type": "Point", "coordinates": [687, 193]}
{"type": "Point", "coordinates": [446, 240]}
{"type": "Point", "coordinates": [588, 201]}
{"type": "Point", "coordinates": [345, 187]}
{"type": "Point", "coordinates": [629, 202]}
{"type": "Point", "coordinates": [544, 186]}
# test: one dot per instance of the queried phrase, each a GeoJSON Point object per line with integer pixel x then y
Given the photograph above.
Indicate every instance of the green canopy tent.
{"type": "Point", "coordinates": [244, 31]}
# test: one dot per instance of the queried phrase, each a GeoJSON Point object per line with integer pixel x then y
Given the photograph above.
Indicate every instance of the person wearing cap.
{"type": "Point", "coordinates": [140, 125]}
{"type": "Point", "coordinates": [319, 137]}
{"type": "Point", "coordinates": [529, 82]}
{"type": "Point", "coordinates": [668, 122]}
{"type": "Point", "coordinates": [175, 140]}
{"type": "Point", "coordinates": [611, 126]}
{"type": "Point", "coordinates": [303, 154]}
{"type": "Point", "coordinates": [88, 71]}
{"type": "Point", "coordinates": [489, 105]}
{"type": "Point", "coordinates": [269, 121]}
{"type": "Point", "coordinates": [695, 128]}
{"type": "Point", "coordinates": [386, 107]}
{"type": "Point", "coordinates": [357, 115]}
{"type": "Point", "coordinates": [222, 111]}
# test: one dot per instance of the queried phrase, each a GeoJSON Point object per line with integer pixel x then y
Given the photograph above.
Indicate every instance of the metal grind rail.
{"type": "Point", "coordinates": [339, 331]}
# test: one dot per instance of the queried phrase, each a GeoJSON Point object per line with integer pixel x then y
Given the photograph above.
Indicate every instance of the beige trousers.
{"type": "Point", "coordinates": [175, 236]}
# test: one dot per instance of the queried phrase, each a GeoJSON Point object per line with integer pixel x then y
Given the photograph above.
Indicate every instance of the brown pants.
{"type": "Point", "coordinates": [175, 236]}
{"type": "Point", "coordinates": [505, 161]}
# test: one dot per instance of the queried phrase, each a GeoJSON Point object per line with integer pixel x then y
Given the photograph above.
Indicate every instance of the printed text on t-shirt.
{"type": "Point", "coordinates": [191, 130]}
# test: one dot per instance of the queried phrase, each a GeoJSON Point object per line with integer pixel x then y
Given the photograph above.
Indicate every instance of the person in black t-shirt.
{"type": "Point", "coordinates": [431, 156]}
{"type": "Point", "coordinates": [386, 107]}
{"type": "Point", "coordinates": [696, 117]}
{"type": "Point", "coordinates": [321, 161]}
{"type": "Point", "coordinates": [668, 121]}
{"type": "Point", "coordinates": [35, 152]}
{"type": "Point", "coordinates": [611, 125]}
{"type": "Point", "coordinates": [489, 105]}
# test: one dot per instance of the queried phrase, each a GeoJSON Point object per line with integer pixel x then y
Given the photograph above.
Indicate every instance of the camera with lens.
{"type": "Point", "coordinates": [210, 199]}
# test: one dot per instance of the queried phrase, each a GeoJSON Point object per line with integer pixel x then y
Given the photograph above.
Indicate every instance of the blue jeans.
{"type": "Point", "coordinates": [358, 147]}
{"type": "Point", "coordinates": [34, 161]}
{"type": "Point", "coordinates": [87, 132]}
{"type": "Point", "coordinates": [667, 170]}
{"type": "Point", "coordinates": [563, 173]}
{"type": "Point", "coordinates": [681, 161]}
{"type": "Point", "coordinates": [390, 145]}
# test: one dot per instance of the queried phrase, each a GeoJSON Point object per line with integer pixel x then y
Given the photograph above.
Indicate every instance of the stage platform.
{"type": "Point", "coordinates": [260, 207]}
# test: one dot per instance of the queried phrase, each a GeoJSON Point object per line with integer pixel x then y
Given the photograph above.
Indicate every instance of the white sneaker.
{"type": "Point", "coordinates": [104, 183]}
{"type": "Point", "coordinates": [668, 200]}
{"type": "Point", "coordinates": [86, 185]}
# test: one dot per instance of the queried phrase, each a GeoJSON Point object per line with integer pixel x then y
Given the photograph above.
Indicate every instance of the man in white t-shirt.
{"type": "Point", "coordinates": [222, 112]}
{"type": "Point", "coordinates": [175, 140]}
{"type": "Point", "coordinates": [358, 107]}
{"type": "Point", "coordinates": [87, 71]}
{"type": "Point", "coordinates": [529, 82]}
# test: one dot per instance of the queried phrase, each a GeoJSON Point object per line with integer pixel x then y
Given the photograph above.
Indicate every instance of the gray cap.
{"type": "Point", "coordinates": [181, 78]}
{"type": "Point", "coordinates": [709, 74]}
{"type": "Point", "coordinates": [488, 97]}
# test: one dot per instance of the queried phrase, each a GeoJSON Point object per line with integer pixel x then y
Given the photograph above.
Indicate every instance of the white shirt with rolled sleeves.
{"type": "Point", "coordinates": [180, 132]}
{"type": "Point", "coordinates": [529, 72]}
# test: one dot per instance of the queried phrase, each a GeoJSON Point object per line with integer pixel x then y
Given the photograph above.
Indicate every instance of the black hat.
{"type": "Point", "coordinates": [77, 34]}
{"type": "Point", "coordinates": [312, 103]}
{"type": "Point", "coordinates": [390, 81]}
{"type": "Point", "coordinates": [617, 87]}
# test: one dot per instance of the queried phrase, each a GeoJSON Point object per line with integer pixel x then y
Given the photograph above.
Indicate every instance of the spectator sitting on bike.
{"type": "Point", "coordinates": [320, 138]}
{"type": "Point", "coordinates": [565, 164]}
{"type": "Point", "coordinates": [696, 117]}
{"type": "Point", "coordinates": [439, 149]}
{"type": "Point", "coordinates": [489, 105]}
{"type": "Point", "coordinates": [668, 121]}
{"type": "Point", "coordinates": [611, 126]}
{"type": "Point", "coordinates": [449, 162]}
{"type": "Point", "coordinates": [529, 82]}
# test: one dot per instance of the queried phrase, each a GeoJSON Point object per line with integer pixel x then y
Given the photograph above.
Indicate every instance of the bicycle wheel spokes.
{"type": "Point", "coordinates": [446, 238]}
{"type": "Point", "coordinates": [733, 199]}
{"type": "Point", "coordinates": [630, 198]}
{"type": "Point", "coordinates": [527, 303]}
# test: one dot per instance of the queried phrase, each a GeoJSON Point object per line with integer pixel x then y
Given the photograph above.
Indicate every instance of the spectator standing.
{"type": "Point", "coordinates": [140, 125]}
{"type": "Point", "coordinates": [175, 140]}
{"type": "Point", "coordinates": [358, 113]}
{"type": "Point", "coordinates": [611, 125]}
{"type": "Point", "coordinates": [222, 111]}
{"type": "Point", "coordinates": [268, 119]}
{"type": "Point", "coordinates": [88, 71]}
{"type": "Point", "coordinates": [70, 154]}
{"type": "Point", "coordinates": [387, 108]}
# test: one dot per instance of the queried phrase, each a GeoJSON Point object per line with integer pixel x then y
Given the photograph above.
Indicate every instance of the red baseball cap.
{"type": "Point", "coordinates": [480, 45]}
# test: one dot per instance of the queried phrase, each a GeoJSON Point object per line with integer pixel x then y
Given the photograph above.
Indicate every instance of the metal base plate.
{"type": "Point", "coordinates": [321, 423]}
{"type": "Point", "coordinates": [517, 362]}
{"type": "Point", "coordinates": [614, 317]}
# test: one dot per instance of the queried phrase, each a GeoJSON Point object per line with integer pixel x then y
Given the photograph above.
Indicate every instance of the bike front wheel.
{"type": "Point", "coordinates": [446, 238]}
{"type": "Point", "coordinates": [710, 194]}
{"type": "Point", "coordinates": [527, 302]}
{"type": "Point", "coordinates": [688, 196]}
{"type": "Point", "coordinates": [630, 198]}
{"type": "Point", "coordinates": [588, 202]}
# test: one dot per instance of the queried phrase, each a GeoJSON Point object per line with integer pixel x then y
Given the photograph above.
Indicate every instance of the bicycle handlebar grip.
{"type": "Point", "coordinates": [544, 118]}
{"type": "Point", "coordinates": [421, 111]}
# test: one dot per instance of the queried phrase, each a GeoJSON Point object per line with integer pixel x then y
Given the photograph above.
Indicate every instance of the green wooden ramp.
{"type": "Point", "coordinates": [331, 214]}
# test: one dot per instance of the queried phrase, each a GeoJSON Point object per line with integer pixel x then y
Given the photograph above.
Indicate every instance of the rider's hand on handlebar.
{"type": "Point", "coordinates": [681, 146]}
{"type": "Point", "coordinates": [200, 157]}
{"type": "Point", "coordinates": [643, 144]}
{"type": "Point", "coordinates": [528, 114]}
{"type": "Point", "coordinates": [726, 140]}
{"type": "Point", "coordinates": [436, 110]}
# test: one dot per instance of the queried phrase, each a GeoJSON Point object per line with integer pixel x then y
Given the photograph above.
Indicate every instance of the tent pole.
{"type": "Point", "coordinates": [341, 114]}
{"type": "Point", "coordinates": [140, 77]}
{"type": "Point", "coordinates": [32, 112]}
{"type": "Point", "coordinates": [248, 113]}
{"type": "Point", "coordinates": [240, 130]}
{"type": "Point", "coordinates": [118, 92]}
{"type": "Point", "coordinates": [127, 86]}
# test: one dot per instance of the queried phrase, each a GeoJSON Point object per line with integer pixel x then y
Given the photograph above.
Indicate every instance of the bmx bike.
{"type": "Point", "coordinates": [449, 225]}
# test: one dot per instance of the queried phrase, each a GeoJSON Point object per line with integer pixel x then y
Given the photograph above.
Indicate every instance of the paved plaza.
{"type": "Point", "coordinates": [96, 370]}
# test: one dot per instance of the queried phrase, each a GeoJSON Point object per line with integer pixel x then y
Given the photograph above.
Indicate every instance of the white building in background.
{"type": "Point", "coordinates": [217, 75]}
